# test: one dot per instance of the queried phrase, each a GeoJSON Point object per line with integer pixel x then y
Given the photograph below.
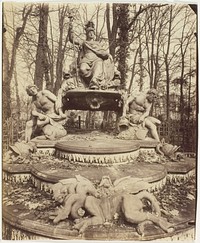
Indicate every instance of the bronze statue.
{"type": "Point", "coordinates": [43, 115]}
{"type": "Point", "coordinates": [95, 65]}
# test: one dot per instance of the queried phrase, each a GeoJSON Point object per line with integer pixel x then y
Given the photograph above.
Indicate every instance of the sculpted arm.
{"type": "Point", "coordinates": [35, 112]}
{"type": "Point", "coordinates": [127, 101]}
{"type": "Point", "coordinates": [71, 36]}
{"type": "Point", "coordinates": [99, 52]}
{"type": "Point", "coordinates": [63, 89]}
{"type": "Point", "coordinates": [61, 93]}
{"type": "Point", "coordinates": [59, 99]}
{"type": "Point", "coordinates": [147, 112]}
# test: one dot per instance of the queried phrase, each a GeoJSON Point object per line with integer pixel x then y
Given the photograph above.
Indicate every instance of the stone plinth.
{"type": "Point", "coordinates": [98, 152]}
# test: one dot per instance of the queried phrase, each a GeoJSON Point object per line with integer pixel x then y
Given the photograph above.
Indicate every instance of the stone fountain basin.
{"type": "Point", "coordinates": [19, 223]}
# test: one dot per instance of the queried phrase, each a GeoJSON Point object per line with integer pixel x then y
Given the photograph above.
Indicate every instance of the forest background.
{"type": "Point", "coordinates": [152, 45]}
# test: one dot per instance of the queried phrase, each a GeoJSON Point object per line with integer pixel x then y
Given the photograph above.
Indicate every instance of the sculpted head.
{"type": "Point", "coordinates": [32, 90]}
{"type": "Point", "coordinates": [59, 192]}
{"type": "Point", "coordinates": [90, 31]}
{"type": "Point", "coordinates": [106, 182]}
{"type": "Point", "coordinates": [152, 94]}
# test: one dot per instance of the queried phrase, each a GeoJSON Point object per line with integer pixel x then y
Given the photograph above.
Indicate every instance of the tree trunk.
{"type": "Point", "coordinates": [133, 71]}
{"type": "Point", "coordinates": [123, 41]}
{"type": "Point", "coordinates": [8, 66]}
{"type": "Point", "coordinates": [18, 107]}
{"type": "Point", "coordinates": [141, 63]}
{"type": "Point", "coordinates": [6, 94]}
{"type": "Point", "coordinates": [42, 65]}
{"type": "Point", "coordinates": [112, 32]}
{"type": "Point", "coordinates": [167, 64]}
{"type": "Point", "coordinates": [61, 48]}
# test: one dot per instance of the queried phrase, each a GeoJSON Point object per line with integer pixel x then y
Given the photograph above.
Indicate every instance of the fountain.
{"type": "Point", "coordinates": [97, 186]}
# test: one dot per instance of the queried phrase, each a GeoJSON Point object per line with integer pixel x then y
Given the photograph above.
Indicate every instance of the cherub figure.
{"type": "Point", "coordinates": [126, 196]}
{"type": "Point", "coordinates": [43, 115]}
{"type": "Point", "coordinates": [137, 112]}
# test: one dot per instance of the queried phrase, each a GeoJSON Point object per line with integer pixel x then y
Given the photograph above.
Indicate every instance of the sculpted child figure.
{"type": "Point", "coordinates": [79, 195]}
{"type": "Point", "coordinates": [137, 109]}
{"type": "Point", "coordinates": [43, 115]}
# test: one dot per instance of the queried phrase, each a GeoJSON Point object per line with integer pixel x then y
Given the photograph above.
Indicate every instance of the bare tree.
{"type": "Point", "coordinates": [112, 31]}
{"type": "Point", "coordinates": [5, 81]}
{"type": "Point", "coordinates": [63, 13]}
{"type": "Point", "coordinates": [187, 35]}
{"type": "Point", "coordinates": [123, 41]}
{"type": "Point", "coordinates": [41, 63]}
{"type": "Point", "coordinates": [10, 59]}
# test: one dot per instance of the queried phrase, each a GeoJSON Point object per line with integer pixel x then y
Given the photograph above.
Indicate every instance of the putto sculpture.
{"type": "Point", "coordinates": [136, 116]}
{"type": "Point", "coordinates": [43, 115]}
{"type": "Point", "coordinates": [124, 197]}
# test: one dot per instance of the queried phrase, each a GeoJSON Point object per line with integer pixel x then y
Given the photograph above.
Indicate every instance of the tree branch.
{"type": "Point", "coordinates": [141, 10]}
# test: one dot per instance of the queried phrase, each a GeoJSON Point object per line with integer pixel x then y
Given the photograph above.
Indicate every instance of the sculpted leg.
{"type": "Point", "coordinates": [140, 227]}
{"type": "Point", "coordinates": [154, 120]}
{"type": "Point", "coordinates": [93, 208]}
{"type": "Point", "coordinates": [133, 212]}
{"type": "Point", "coordinates": [43, 122]}
{"type": "Point", "coordinates": [153, 129]}
{"type": "Point", "coordinates": [85, 70]}
{"type": "Point", "coordinates": [97, 75]}
{"type": "Point", "coordinates": [46, 128]}
{"type": "Point", "coordinates": [161, 222]}
{"type": "Point", "coordinates": [54, 131]}
{"type": "Point", "coordinates": [29, 130]}
{"type": "Point", "coordinates": [66, 210]}
{"type": "Point", "coordinates": [49, 132]}
{"type": "Point", "coordinates": [132, 208]}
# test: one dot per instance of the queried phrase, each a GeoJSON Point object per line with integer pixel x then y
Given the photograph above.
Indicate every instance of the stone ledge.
{"type": "Point", "coordinates": [148, 172]}
{"type": "Point", "coordinates": [113, 146]}
{"type": "Point", "coordinates": [17, 227]}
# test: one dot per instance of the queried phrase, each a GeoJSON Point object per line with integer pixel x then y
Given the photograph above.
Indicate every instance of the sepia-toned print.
{"type": "Point", "coordinates": [99, 121]}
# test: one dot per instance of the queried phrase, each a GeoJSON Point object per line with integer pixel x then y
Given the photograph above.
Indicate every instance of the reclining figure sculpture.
{"type": "Point", "coordinates": [125, 195]}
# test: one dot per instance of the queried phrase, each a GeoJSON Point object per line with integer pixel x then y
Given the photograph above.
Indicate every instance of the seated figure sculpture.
{"type": "Point", "coordinates": [95, 65]}
{"type": "Point", "coordinates": [43, 115]}
{"type": "Point", "coordinates": [137, 110]}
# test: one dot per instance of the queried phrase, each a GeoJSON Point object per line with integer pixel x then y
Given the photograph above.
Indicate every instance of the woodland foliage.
{"type": "Point", "coordinates": [153, 45]}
